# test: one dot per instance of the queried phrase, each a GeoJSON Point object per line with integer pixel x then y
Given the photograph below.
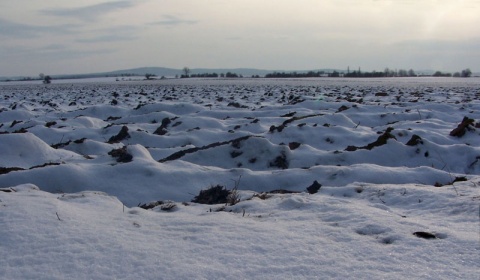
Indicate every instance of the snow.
{"type": "Point", "coordinates": [69, 208]}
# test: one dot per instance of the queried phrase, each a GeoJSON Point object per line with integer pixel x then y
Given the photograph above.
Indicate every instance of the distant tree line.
{"type": "Point", "coordinates": [205, 75]}
{"type": "Point", "coordinates": [364, 74]}
{"type": "Point", "coordinates": [231, 75]}
{"type": "Point", "coordinates": [212, 75]}
{"type": "Point", "coordinates": [387, 72]}
{"type": "Point", "coordinates": [360, 74]}
{"type": "Point", "coordinates": [333, 74]}
{"type": "Point", "coordinates": [215, 75]}
{"type": "Point", "coordinates": [309, 74]}
{"type": "Point", "coordinates": [466, 73]}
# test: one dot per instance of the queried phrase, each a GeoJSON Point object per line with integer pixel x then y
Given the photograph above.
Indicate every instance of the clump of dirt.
{"type": "Point", "coordinates": [280, 161]}
{"type": "Point", "coordinates": [293, 145]}
{"type": "Point", "coordinates": [121, 154]}
{"type": "Point", "coordinates": [80, 141]}
{"type": "Point", "coordinates": [425, 235]}
{"type": "Point", "coordinates": [162, 130]}
{"type": "Point", "coordinates": [457, 179]}
{"type": "Point", "coordinates": [461, 129]}
{"type": "Point", "coordinates": [415, 140]}
{"type": "Point", "coordinates": [282, 191]}
{"type": "Point", "coordinates": [236, 143]}
{"type": "Point", "coordinates": [235, 154]}
{"type": "Point", "coordinates": [277, 128]}
{"type": "Point", "coordinates": [49, 124]}
{"type": "Point", "coordinates": [342, 108]}
{"type": "Point", "coordinates": [288, 115]}
{"type": "Point", "coordinates": [123, 134]}
{"type": "Point", "coordinates": [164, 205]}
{"type": "Point", "coordinates": [381, 140]}
{"type": "Point", "coordinates": [269, 194]}
{"type": "Point", "coordinates": [61, 145]}
{"type": "Point", "coordinates": [295, 99]}
{"type": "Point", "coordinates": [314, 188]}
{"type": "Point", "coordinates": [21, 130]}
{"type": "Point", "coordinates": [236, 105]}
{"type": "Point", "coordinates": [45, 165]}
{"type": "Point", "coordinates": [111, 118]}
{"type": "Point", "coordinates": [290, 120]}
{"type": "Point", "coordinates": [5, 170]}
{"type": "Point", "coordinates": [262, 196]}
{"type": "Point", "coordinates": [64, 144]}
{"type": "Point", "coordinates": [15, 122]}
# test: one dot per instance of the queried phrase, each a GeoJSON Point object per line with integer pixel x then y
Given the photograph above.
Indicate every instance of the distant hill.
{"type": "Point", "coordinates": [159, 71]}
{"type": "Point", "coordinates": [162, 71]}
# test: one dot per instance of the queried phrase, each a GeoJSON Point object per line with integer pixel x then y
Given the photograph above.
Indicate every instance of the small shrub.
{"type": "Point", "coordinates": [214, 195]}
{"type": "Point", "coordinates": [234, 197]}
{"type": "Point", "coordinates": [219, 195]}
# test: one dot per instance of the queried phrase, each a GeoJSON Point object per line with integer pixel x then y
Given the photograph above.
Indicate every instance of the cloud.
{"type": "Point", "coordinates": [438, 54]}
{"type": "Point", "coordinates": [440, 45]}
{"type": "Point", "coordinates": [21, 30]}
{"type": "Point", "coordinates": [74, 54]}
{"type": "Point", "coordinates": [112, 34]}
{"type": "Point", "coordinates": [107, 38]}
{"type": "Point", "coordinates": [92, 12]}
{"type": "Point", "coordinates": [170, 20]}
{"type": "Point", "coordinates": [53, 47]}
{"type": "Point", "coordinates": [50, 52]}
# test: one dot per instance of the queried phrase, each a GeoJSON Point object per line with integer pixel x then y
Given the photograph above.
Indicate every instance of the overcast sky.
{"type": "Point", "coordinates": [68, 37]}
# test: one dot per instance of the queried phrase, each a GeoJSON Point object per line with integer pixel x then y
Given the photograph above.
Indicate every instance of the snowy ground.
{"type": "Point", "coordinates": [78, 158]}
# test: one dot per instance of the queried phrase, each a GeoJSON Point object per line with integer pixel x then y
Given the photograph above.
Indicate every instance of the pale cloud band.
{"type": "Point", "coordinates": [92, 12]}
{"type": "Point", "coordinates": [171, 20]}
{"type": "Point", "coordinates": [20, 30]}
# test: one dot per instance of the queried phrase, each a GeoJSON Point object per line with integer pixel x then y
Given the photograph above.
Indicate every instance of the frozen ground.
{"type": "Point", "coordinates": [77, 159]}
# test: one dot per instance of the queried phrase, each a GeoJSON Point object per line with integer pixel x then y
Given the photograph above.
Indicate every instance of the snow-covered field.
{"type": "Point", "coordinates": [398, 161]}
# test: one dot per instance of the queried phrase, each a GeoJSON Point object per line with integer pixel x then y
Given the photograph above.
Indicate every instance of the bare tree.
{"type": "Point", "coordinates": [47, 79]}
{"type": "Point", "coordinates": [149, 76]}
{"type": "Point", "coordinates": [186, 71]}
{"type": "Point", "coordinates": [466, 73]}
